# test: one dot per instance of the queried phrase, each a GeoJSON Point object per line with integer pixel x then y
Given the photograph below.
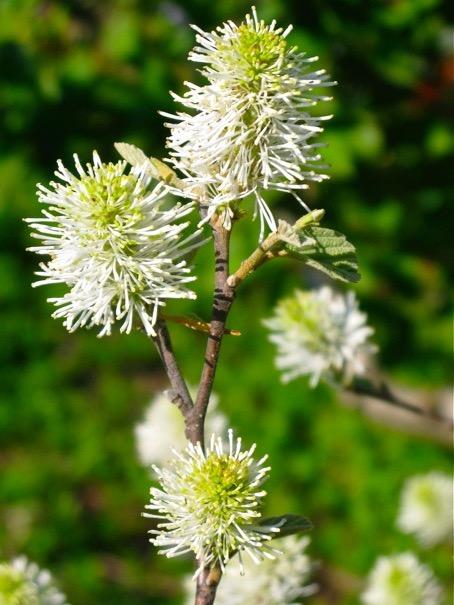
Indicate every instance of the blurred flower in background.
{"type": "Point", "coordinates": [162, 429]}
{"type": "Point", "coordinates": [401, 580]}
{"type": "Point", "coordinates": [24, 583]}
{"type": "Point", "coordinates": [322, 334]}
{"type": "Point", "coordinates": [279, 581]}
{"type": "Point", "coordinates": [426, 508]}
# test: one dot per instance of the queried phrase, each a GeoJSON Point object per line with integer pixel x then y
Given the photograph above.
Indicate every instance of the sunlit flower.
{"type": "Point", "coordinates": [249, 128]}
{"type": "Point", "coordinates": [24, 583]}
{"type": "Point", "coordinates": [401, 580]}
{"type": "Point", "coordinates": [162, 428]}
{"type": "Point", "coordinates": [279, 581]}
{"type": "Point", "coordinates": [320, 333]}
{"type": "Point", "coordinates": [115, 246]}
{"type": "Point", "coordinates": [426, 508]}
{"type": "Point", "coordinates": [208, 503]}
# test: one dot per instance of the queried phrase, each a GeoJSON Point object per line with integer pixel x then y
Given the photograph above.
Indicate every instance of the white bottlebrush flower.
{"type": "Point", "coordinates": [208, 503]}
{"type": "Point", "coordinates": [401, 580]}
{"type": "Point", "coordinates": [320, 333]}
{"type": "Point", "coordinates": [24, 583]}
{"type": "Point", "coordinates": [249, 128]}
{"type": "Point", "coordinates": [426, 508]}
{"type": "Point", "coordinates": [162, 428]}
{"type": "Point", "coordinates": [279, 581]}
{"type": "Point", "coordinates": [115, 246]}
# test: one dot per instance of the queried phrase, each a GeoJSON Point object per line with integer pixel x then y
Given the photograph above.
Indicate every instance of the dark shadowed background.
{"type": "Point", "coordinates": [80, 74]}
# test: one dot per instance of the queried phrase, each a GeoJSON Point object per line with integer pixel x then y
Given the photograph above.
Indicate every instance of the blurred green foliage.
{"type": "Point", "coordinates": [80, 74]}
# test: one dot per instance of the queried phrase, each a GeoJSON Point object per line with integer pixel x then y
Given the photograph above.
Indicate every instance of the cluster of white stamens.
{"type": "Point", "coordinates": [208, 503]}
{"type": "Point", "coordinates": [249, 129]}
{"type": "Point", "coordinates": [111, 241]}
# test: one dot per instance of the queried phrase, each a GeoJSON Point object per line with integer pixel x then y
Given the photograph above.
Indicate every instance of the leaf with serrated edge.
{"type": "Point", "coordinates": [287, 524]}
{"type": "Point", "coordinates": [328, 251]}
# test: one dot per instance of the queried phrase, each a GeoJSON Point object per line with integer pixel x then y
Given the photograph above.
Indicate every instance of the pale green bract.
{"type": "Point", "coordinates": [115, 243]}
{"type": "Point", "coordinates": [208, 503]}
{"type": "Point", "coordinates": [158, 170]}
{"type": "Point", "coordinates": [24, 583]}
{"type": "Point", "coordinates": [250, 128]}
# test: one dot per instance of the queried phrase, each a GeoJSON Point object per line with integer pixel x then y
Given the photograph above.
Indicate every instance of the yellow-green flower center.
{"type": "Point", "coordinates": [108, 205]}
{"type": "Point", "coordinates": [15, 589]}
{"type": "Point", "coordinates": [426, 495]}
{"type": "Point", "coordinates": [260, 50]}
{"type": "Point", "coordinates": [304, 314]}
{"type": "Point", "coordinates": [252, 54]}
{"type": "Point", "coordinates": [218, 487]}
{"type": "Point", "coordinates": [401, 586]}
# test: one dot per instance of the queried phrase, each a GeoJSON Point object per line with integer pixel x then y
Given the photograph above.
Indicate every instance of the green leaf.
{"type": "Point", "coordinates": [326, 250]}
{"type": "Point", "coordinates": [288, 524]}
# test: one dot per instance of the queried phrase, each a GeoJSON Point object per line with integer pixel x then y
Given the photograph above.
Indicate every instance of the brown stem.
{"type": "Point", "coordinates": [381, 391]}
{"type": "Point", "coordinates": [209, 578]}
{"type": "Point", "coordinates": [222, 301]}
{"type": "Point", "coordinates": [179, 394]}
{"type": "Point", "coordinates": [194, 414]}
{"type": "Point", "coordinates": [207, 584]}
